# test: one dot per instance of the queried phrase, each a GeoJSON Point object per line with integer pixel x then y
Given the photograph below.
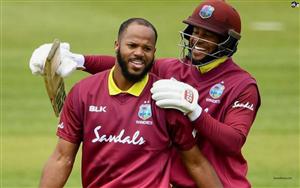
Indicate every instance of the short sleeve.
{"type": "Point", "coordinates": [242, 111]}
{"type": "Point", "coordinates": [70, 126]}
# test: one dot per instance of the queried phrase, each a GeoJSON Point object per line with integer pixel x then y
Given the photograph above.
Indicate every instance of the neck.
{"type": "Point", "coordinates": [119, 79]}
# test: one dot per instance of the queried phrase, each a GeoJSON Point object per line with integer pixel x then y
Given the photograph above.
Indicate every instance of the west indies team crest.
{"type": "Point", "coordinates": [145, 111]}
{"type": "Point", "coordinates": [217, 90]}
{"type": "Point", "coordinates": [206, 11]}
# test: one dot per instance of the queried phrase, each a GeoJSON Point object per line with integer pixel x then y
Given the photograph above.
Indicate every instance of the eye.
{"type": "Point", "coordinates": [195, 32]}
{"type": "Point", "coordinates": [131, 45]}
{"type": "Point", "coordinates": [147, 49]}
{"type": "Point", "coordinates": [208, 34]}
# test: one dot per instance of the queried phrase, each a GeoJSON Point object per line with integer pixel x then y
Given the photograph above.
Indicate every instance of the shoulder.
{"type": "Point", "coordinates": [92, 82]}
{"type": "Point", "coordinates": [169, 61]}
{"type": "Point", "coordinates": [92, 79]}
{"type": "Point", "coordinates": [153, 77]}
{"type": "Point", "coordinates": [166, 62]}
{"type": "Point", "coordinates": [242, 82]}
{"type": "Point", "coordinates": [240, 73]}
{"type": "Point", "coordinates": [166, 67]}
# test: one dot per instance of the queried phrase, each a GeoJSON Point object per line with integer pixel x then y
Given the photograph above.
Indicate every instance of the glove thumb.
{"type": "Point", "coordinates": [66, 67]}
{"type": "Point", "coordinates": [35, 66]}
{"type": "Point", "coordinates": [37, 59]}
{"type": "Point", "coordinates": [65, 45]}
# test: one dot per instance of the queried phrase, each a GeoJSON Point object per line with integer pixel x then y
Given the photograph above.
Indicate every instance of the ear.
{"type": "Point", "coordinates": [117, 45]}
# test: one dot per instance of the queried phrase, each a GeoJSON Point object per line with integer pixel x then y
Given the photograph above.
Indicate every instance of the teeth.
{"type": "Point", "coordinates": [199, 48]}
{"type": "Point", "coordinates": [137, 62]}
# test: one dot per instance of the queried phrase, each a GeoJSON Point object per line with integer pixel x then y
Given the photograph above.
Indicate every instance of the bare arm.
{"type": "Point", "coordinates": [59, 166]}
{"type": "Point", "coordinates": [200, 169]}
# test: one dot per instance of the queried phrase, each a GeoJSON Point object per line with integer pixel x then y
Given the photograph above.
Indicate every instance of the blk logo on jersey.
{"type": "Point", "coordinates": [97, 108]}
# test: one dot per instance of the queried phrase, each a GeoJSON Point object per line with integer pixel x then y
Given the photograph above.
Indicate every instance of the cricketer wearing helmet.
{"type": "Point", "coordinates": [219, 97]}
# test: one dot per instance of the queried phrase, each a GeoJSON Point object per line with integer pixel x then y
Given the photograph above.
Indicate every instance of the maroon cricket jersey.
{"type": "Point", "coordinates": [230, 100]}
{"type": "Point", "coordinates": [126, 140]}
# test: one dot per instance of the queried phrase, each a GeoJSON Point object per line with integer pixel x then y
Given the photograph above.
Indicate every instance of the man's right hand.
{"type": "Point", "coordinates": [170, 93]}
{"type": "Point", "coordinates": [69, 61]}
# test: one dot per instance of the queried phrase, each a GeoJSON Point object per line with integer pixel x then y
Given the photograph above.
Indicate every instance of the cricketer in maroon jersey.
{"type": "Point", "coordinates": [228, 95]}
{"type": "Point", "coordinates": [126, 139]}
{"type": "Point", "coordinates": [125, 136]}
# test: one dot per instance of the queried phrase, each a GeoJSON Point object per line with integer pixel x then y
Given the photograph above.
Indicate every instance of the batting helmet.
{"type": "Point", "coordinates": [216, 16]}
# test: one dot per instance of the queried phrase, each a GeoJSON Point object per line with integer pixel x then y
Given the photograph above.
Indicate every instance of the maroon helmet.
{"type": "Point", "coordinates": [216, 16]}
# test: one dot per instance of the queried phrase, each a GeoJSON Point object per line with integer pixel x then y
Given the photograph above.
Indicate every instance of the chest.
{"type": "Point", "coordinates": [125, 120]}
{"type": "Point", "coordinates": [217, 94]}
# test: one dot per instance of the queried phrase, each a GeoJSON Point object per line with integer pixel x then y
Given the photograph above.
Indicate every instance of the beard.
{"type": "Point", "coordinates": [129, 76]}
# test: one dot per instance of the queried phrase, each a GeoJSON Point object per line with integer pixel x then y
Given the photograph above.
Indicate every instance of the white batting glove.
{"type": "Point", "coordinates": [38, 57]}
{"type": "Point", "coordinates": [69, 61]}
{"type": "Point", "coordinates": [170, 93]}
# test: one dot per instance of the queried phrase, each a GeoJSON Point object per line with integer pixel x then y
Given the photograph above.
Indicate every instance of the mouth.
{"type": "Point", "coordinates": [199, 51]}
{"type": "Point", "coordinates": [136, 63]}
{"type": "Point", "coordinates": [199, 48]}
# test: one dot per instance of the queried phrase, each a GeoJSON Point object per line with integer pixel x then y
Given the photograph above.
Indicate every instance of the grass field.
{"type": "Point", "coordinates": [269, 49]}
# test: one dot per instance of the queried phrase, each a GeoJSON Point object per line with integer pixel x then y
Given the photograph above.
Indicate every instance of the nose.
{"type": "Point", "coordinates": [196, 40]}
{"type": "Point", "coordinates": [139, 52]}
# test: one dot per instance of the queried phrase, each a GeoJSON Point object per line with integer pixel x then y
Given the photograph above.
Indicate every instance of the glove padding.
{"type": "Point", "coordinates": [69, 61]}
{"type": "Point", "coordinates": [170, 93]}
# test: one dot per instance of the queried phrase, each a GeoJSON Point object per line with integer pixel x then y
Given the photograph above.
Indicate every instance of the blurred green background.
{"type": "Point", "coordinates": [269, 50]}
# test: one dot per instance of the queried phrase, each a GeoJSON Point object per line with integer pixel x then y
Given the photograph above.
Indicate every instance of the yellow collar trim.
{"type": "Point", "coordinates": [135, 90]}
{"type": "Point", "coordinates": [212, 65]}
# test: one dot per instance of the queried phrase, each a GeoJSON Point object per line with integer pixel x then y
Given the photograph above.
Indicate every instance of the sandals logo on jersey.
{"type": "Point", "coordinates": [247, 105]}
{"type": "Point", "coordinates": [145, 113]}
{"type": "Point", "coordinates": [206, 11]}
{"type": "Point", "coordinates": [215, 92]}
